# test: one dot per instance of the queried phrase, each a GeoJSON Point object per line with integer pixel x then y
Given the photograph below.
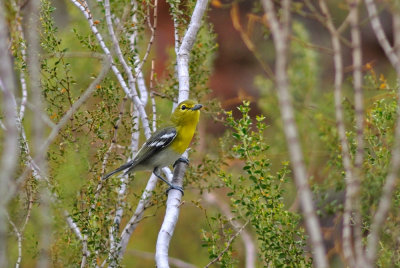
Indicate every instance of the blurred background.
{"type": "Point", "coordinates": [236, 68]}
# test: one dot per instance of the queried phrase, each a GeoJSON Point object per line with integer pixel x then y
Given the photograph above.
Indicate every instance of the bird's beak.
{"type": "Point", "coordinates": [197, 107]}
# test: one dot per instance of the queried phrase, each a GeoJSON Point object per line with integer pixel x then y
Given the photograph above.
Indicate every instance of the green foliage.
{"type": "Point", "coordinates": [81, 152]}
{"type": "Point", "coordinates": [381, 113]}
{"type": "Point", "coordinates": [217, 238]}
{"type": "Point", "coordinates": [256, 195]}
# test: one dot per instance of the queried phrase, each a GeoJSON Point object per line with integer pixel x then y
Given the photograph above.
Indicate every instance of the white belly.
{"type": "Point", "coordinates": [161, 159]}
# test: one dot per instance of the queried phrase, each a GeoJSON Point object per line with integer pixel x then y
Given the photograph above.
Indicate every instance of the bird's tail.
{"type": "Point", "coordinates": [128, 165]}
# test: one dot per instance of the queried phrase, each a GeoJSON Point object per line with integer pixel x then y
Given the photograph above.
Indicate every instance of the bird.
{"type": "Point", "coordinates": [166, 146]}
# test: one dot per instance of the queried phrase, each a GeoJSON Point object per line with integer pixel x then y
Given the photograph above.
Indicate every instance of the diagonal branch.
{"type": "Point", "coordinates": [182, 58]}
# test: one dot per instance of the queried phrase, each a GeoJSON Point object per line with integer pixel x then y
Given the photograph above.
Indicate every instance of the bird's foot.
{"type": "Point", "coordinates": [181, 159]}
{"type": "Point", "coordinates": [175, 187]}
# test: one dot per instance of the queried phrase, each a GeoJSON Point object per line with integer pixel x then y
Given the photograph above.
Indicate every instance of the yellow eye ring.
{"type": "Point", "coordinates": [183, 107]}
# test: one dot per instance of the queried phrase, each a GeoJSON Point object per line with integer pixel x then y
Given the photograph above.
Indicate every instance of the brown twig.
{"type": "Point", "coordinates": [230, 241]}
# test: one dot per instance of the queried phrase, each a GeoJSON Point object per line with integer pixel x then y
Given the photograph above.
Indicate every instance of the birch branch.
{"type": "Point", "coordinates": [19, 241]}
{"type": "Point", "coordinates": [352, 201]}
{"type": "Point", "coordinates": [381, 36]}
{"type": "Point", "coordinates": [139, 63]}
{"type": "Point", "coordinates": [135, 98]}
{"type": "Point", "coordinates": [137, 216]}
{"type": "Point", "coordinates": [280, 33]}
{"type": "Point", "coordinates": [391, 182]}
{"type": "Point", "coordinates": [22, 47]}
{"type": "Point", "coordinates": [396, 32]}
{"type": "Point", "coordinates": [128, 91]}
{"type": "Point", "coordinates": [170, 218]}
{"type": "Point", "coordinates": [174, 196]}
{"type": "Point", "coordinates": [153, 101]}
{"type": "Point", "coordinates": [36, 171]}
{"type": "Point", "coordinates": [115, 247]}
{"type": "Point", "coordinates": [182, 58]}
{"type": "Point", "coordinates": [20, 232]}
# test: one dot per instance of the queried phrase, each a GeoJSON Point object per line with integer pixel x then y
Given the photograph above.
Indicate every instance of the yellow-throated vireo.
{"type": "Point", "coordinates": [166, 145]}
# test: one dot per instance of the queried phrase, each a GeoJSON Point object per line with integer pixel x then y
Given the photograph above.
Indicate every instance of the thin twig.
{"type": "Point", "coordinates": [230, 241]}
{"type": "Point", "coordinates": [19, 241]}
{"type": "Point", "coordinates": [53, 134]}
{"type": "Point", "coordinates": [248, 242]}
{"type": "Point", "coordinates": [153, 101]}
{"type": "Point", "coordinates": [128, 90]}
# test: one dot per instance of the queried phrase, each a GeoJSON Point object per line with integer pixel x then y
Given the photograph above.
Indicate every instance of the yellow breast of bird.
{"type": "Point", "coordinates": [183, 138]}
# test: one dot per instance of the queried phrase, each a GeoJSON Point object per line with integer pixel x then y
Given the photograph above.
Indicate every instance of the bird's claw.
{"type": "Point", "coordinates": [181, 159]}
{"type": "Point", "coordinates": [175, 187]}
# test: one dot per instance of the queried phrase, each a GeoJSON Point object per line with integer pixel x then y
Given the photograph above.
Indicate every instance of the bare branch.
{"type": "Point", "coordinates": [153, 101]}
{"type": "Point", "coordinates": [19, 239]}
{"type": "Point", "coordinates": [22, 78]}
{"type": "Point", "coordinates": [130, 91]}
{"type": "Point", "coordinates": [280, 33]}
{"type": "Point", "coordinates": [352, 202]}
{"type": "Point", "coordinates": [174, 196]}
{"type": "Point", "coordinates": [182, 58]}
{"type": "Point", "coordinates": [171, 216]}
{"type": "Point", "coordinates": [139, 63]}
{"type": "Point", "coordinates": [137, 216]}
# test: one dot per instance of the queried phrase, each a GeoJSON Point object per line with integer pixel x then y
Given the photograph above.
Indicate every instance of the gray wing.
{"type": "Point", "coordinates": [158, 141]}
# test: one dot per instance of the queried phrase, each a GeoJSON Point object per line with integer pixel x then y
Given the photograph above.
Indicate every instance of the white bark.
{"type": "Point", "coordinates": [174, 196]}
{"type": "Point", "coordinates": [182, 58]}
{"type": "Point", "coordinates": [170, 218]}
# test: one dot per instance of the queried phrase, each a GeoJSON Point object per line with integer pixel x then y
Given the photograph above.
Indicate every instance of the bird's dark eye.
{"type": "Point", "coordinates": [183, 107]}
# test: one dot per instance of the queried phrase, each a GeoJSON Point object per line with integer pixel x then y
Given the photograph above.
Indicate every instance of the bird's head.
{"type": "Point", "coordinates": [186, 112]}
